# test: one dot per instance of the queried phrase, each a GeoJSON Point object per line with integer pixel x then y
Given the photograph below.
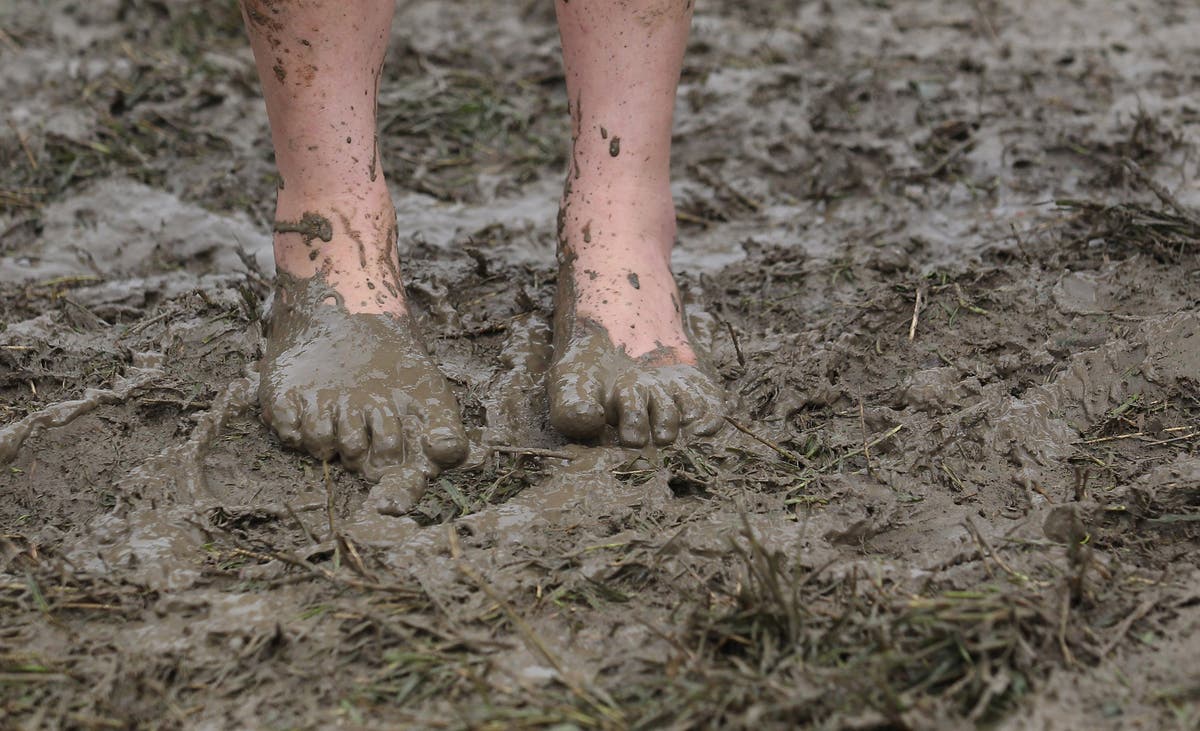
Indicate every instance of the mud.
{"type": "Point", "coordinates": [358, 386]}
{"type": "Point", "coordinates": [942, 258]}
{"type": "Point", "coordinates": [651, 398]}
{"type": "Point", "coordinates": [310, 226]}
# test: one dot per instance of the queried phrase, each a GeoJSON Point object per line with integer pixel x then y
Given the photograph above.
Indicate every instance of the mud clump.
{"type": "Point", "coordinates": [958, 485]}
{"type": "Point", "coordinates": [310, 226]}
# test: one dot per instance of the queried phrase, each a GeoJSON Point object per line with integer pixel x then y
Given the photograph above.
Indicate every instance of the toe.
{"type": "Point", "coordinates": [632, 405]}
{"type": "Point", "coordinates": [387, 447]}
{"type": "Point", "coordinates": [352, 439]}
{"type": "Point", "coordinates": [576, 394]}
{"type": "Point", "coordinates": [700, 406]}
{"type": "Point", "coordinates": [708, 424]}
{"type": "Point", "coordinates": [443, 438]}
{"type": "Point", "coordinates": [282, 413]}
{"type": "Point", "coordinates": [446, 445]}
{"type": "Point", "coordinates": [664, 417]}
{"type": "Point", "coordinates": [691, 407]}
{"type": "Point", "coordinates": [317, 426]}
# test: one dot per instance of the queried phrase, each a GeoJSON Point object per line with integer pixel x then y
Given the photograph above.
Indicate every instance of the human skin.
{"type": "Point", "coordinates": [622, 353]}
{"type": "Point", "coordinates": [345, 371]}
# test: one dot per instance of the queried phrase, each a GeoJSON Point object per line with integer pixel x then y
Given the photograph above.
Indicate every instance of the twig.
{"type": "Point", "coordinates": [15, 678]}
{"type": "Point", "coordinates": [1185, 437]}
{"type": "Point", "coordinates": [1139, 434]}
{"type": "Point", "coordinates": [1163, 194]}
{"type": "Point", "coordinates": [24, 146]}
{"type": "Point", "coordinates": [947, 159]}
{"type": "Point", "coordinates": [1115, 437]}
{"type": "Point", "coordinates": [965, 303]}
{"type": "Point", "coordinates": [1063, 615]}
{"type": "Point", "coordinates": [350, 551]}
{"type": "Point", "coordinates": [686, 217]}
{"type": "Point", "coordinates": [912, 329]}
{"type": "Point", "coordinates": [737, 347]}
{"type": "Point", "coordinates": [531, 451]}
{"type": "Point", "coordinates": [531, 638]}
{"type": "Point", "coordinates": [877, 440]}
{"type": "Point", "coordinates": [785, 453]}
{"type": "Point", "coordinates": [329, 499]}
{"type": "Point", "coordinates": [862, 422]}
{"type": "Point", "coordinates": [303, 526]}
{"type": "Point", "coordinates": [710, 179]}
{"type": "Point", "coordinates": [324, 573]}
{"type": "Point", "coordinates": [990, 552]}
{"type": "Point", "coordinates": [7, 40]}
{"type": "Point", "coordinates": [1126, 624]}
{"type": "Point", "coordinates": [144, 324]}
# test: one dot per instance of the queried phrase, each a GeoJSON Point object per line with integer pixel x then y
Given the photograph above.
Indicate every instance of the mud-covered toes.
{"type": "Point", "coordinates": [644, 402]}
{"type": "Point", "coordinates": [359, 386]}
{"type": "Point", "coordinates": [659, 403]}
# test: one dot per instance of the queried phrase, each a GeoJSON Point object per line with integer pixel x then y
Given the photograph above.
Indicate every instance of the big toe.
{"type": "Point", "coordinates": [576, 401]}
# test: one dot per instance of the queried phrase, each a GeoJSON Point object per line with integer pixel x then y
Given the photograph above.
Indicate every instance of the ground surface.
{"type": "Point", "coordinates": [945, 256]}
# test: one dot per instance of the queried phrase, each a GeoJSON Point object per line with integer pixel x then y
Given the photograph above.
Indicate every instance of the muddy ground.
{"type": "Point", "coordinates": [944, 255]}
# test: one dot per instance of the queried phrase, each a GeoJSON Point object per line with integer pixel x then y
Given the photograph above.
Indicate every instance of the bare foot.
{"type": "Point", "coordinates": [345, 371]}
{"type": "Point", "coordinates": [622, 354]}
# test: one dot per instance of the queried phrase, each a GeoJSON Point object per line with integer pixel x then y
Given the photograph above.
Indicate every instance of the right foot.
{"type": "Point", "coordinates": [345, 371]}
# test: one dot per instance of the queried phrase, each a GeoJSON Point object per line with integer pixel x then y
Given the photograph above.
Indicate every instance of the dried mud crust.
{"type": "Point", "coordinates": [960, 487]}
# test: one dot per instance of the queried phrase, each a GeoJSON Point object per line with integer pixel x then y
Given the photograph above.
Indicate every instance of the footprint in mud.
{"type": "Point", "coordinates": [360, 386]}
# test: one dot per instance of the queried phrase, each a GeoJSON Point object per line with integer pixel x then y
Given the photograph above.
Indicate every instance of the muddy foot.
{"type": "Point", "coordinates": [361, 386]}
{"type": "Point", "coordinates": [603, 374]}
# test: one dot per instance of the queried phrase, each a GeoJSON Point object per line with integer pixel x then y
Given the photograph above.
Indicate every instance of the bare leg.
{"type": "Point", "coordinates": [622, 354]}
{"type": "Point", "coordinates": [345, 371]}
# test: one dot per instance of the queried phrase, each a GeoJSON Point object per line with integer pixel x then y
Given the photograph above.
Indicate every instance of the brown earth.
{"type": "Point", "coordinates": [945, 256]}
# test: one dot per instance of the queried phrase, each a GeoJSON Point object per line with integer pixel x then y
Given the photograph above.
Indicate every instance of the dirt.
{"type": "Point", "coordinates": [944, 256]}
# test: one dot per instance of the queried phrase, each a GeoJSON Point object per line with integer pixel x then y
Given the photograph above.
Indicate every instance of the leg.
{"type": "Point", "coordinates": [345, 371]}
{"type": "Point", "coordinates": [622, 354]}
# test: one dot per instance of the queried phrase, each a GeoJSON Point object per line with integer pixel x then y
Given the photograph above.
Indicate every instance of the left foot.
{"type": "Point", "coordinates": [622, 354]}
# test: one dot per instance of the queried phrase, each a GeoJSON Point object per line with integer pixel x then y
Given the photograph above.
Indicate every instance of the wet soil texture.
{"type": "Point", "coordinates": [944, 255]}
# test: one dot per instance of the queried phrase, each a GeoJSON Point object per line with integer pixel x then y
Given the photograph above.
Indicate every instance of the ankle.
{"type": "Point", "coordinates": [348, 238]}
{"type": "Point", "coordinates": [619, 218]}
{"type": "Point", "coordinates": [293, 200]}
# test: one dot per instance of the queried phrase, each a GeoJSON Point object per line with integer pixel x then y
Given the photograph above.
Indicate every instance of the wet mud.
{"type": "Point", "coordinates": [360, 387]}
{"type": "Point", "coordinates": [943, 261]}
